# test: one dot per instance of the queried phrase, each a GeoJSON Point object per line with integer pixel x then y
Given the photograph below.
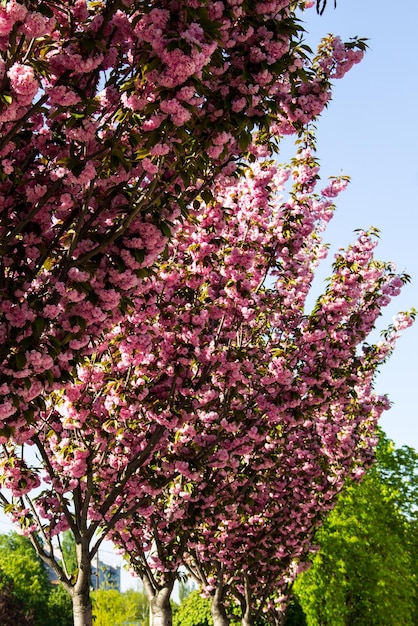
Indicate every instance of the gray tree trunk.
{"type": "Point", "coordinates": [82, 609]}
{"type": "Point", "coordinates": [80, 593]}
{"type": "Point", "coordinates": [160, 613]}
{"type": "Point", "coordinates": [247, 618]}
{"type": "Point", "coordinates": [217, 609]}
{"type": "Point", "coordinates": [160, 607]}
{"type": "Point", "coordinates": [278, 617]}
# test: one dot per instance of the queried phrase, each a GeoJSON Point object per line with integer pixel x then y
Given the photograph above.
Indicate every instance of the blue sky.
{"type": "Point", "coordinates": [370, 133]}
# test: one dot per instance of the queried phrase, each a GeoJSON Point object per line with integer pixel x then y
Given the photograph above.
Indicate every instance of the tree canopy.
{"type": "Point", "coordinates": [20, 563]}
{"type": "Point", "coordinates": [366, 568]}
{"type": "Point", "coordinates": [111, 607]}
{"type": "Point", "coordinates": [193, 611]}
{"type": "Point", "coordinates": [115, 116]}
{"type": "Point", "coordinates": [26, 591]}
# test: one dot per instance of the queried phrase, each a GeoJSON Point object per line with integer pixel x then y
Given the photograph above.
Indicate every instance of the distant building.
{"type": "Point", "coordinates": [105, 576]}
{"type": "Point", "coordinates": [108, 577]}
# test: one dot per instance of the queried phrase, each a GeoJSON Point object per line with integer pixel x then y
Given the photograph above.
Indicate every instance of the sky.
{"type": "Point", "coordinates": [370, 133]}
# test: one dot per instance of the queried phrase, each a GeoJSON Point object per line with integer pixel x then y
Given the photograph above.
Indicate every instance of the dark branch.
{"type": "Point", "coordinates": [321, 4]}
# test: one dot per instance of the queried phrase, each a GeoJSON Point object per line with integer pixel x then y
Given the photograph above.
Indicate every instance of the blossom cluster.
{"type": "Point", "coordinates": [111, 120]}
{"type": "Point", "coordinates": [239, 388]}
{"type": "Point", "coordinates": [219, 418]}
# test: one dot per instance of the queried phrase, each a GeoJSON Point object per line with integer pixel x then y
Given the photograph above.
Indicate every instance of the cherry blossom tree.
{"type": "Point", "coordinates": [114, 117]}
{"type": "Point", "coordinates": [177, 435]}
{"type": "Point", "coordinates": [290, 411]}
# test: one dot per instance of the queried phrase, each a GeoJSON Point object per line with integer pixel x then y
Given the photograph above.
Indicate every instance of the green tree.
{"type": "Point", "coordinates": [398, 469]}
{"type": "Point", "coordinates": [20, 563]}
{"type": "Point", "coordinates": [112, 608]}
{"type": "Point", "coordinates": [69, 553]}
{"type": "Point", "coordinates": [366, 569]}
{"type": "Point", "coordinates": [26, 595]}
{"type": "Point", "coordinates": [12, 611]}
{"type": "Point", "coordinates": [185, 588]}
{"type": "Point", "coordinates": [60, 607]}
{"type": "Point", "coordinates": [295, 615]}
{"type": "Point", "coordinates": [193, 611]}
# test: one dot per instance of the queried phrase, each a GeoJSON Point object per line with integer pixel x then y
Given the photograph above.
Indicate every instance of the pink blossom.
{"type": "Point", "coordinates": [403, 320]}
{"type": "Point", "coordinates": [335, 187]}
{"type": "Point", "coordinates": [35, 25]}
{"type": "Point", "coordinates": [160, 149]}
{"type": "Point", "coordinates": [149, 166]}
{"type": "Point", "coordinates": [6, 409]}
{"type": "Point", "coordinates": [16, 11]}
{"type": "Point", "coordinates": [80, 10]}
{"type": "Point", "coordinates": [6, 23]}
{"type": "Point", "coordinates": [61, 95]}
{"type": "Point", "coordinates": [22, 80]}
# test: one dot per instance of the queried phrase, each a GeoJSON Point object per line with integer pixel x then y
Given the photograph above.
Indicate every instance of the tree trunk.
{"type": "Point", "coordinates": [82, 609]}
{"type": "Point", "coordinates": [160, 607]}
{"type": "Point", "coordinates": [245, 602]}
{"type": "Point", "coordinates": [278, 617]}
{"type": "Point", "coordinates": [217, 609]}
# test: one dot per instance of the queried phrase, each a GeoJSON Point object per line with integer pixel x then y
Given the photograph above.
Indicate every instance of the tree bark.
{"type": "Point", "coordinates": [159, 600]}
{"type": "Point", "coordinates": [245, 602]}
{"type": "Point", "coordinates": [278, 617]}
{"type": "Point", "coordinates": [82, 609]}
{"type": "Point", "coordinates": [80, 593]}
{"type": "Point", "coordinates": [217, 609]}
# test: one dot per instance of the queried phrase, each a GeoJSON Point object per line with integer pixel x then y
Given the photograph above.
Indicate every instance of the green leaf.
{"type": "Point", "coordinates": [206, 195]}
{"type": "Point", "coordinates": [20, 360]}
{"type": "Point", "coordinates": [39, 324]}
{"type": "Point", "coordinates": [77, 168]}
{"type": "Point", "coordinates": [139, 255]}
{"type": "Point", "coordinates": [7, 431]}
{"type": "Point", "coordinates": [88, 43]}
{"type": "Point", "coordinates": [77, 320]}
{"type": "Point", "coordinates": [7, 98]}
{"type": "Point", "coordinates": [45, 10]}
{"type": "Point", "coordinates": [28, 415]}
{"type": "Point", "coordinates": [165, 229]}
